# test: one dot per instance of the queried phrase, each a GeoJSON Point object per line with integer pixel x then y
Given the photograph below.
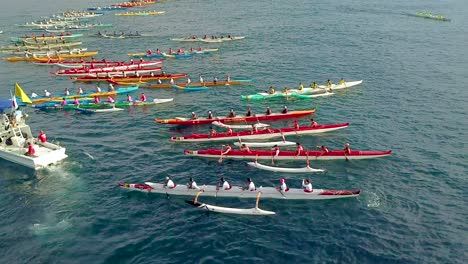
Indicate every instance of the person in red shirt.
{"type": "Point", "coordinates": [299, 149]}
{"type": "Point", "coordinates": [31, 150]}
{"type": "Point", "coordinates": [143, 97]}
{"type": "Point", "coordinates": [42, 136]}
{"type": "Point", "coordinates": [296, 124]}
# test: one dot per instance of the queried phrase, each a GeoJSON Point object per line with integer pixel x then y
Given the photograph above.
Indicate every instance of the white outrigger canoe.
{"type": "Point", "coordinates": [324, 89]}
{"type": "Point", "coordinates": [280, 169]}
{"type": "Point", "coordinates": [104, 110]}
{"type": "Point", "coordinates": [239, 192]}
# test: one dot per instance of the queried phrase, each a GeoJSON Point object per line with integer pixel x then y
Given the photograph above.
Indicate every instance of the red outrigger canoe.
{"type": "Point", "coordinates": [289, 155]}
{"type": "Point", "coordinates": [238, 119]}
{"type": "Point", "coordinates": [261, 134]}
{"type": "Point", "coordinates": [147, 77]}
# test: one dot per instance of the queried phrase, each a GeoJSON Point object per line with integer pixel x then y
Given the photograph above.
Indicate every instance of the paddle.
{"type": "Point", "coordinates": [258, 200]}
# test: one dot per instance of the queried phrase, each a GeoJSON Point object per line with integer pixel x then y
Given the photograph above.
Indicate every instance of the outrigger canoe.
{"type": "Point", "coordinates": [306, 169]}
{"type": "Point", "coordinates": [289, 155]}
{"type": "Point", "coordinates": [239, 192]}
{"type": "Point", "coordinates": [261, 134]}
{"type": "Point", "coordinates": [112, 68]}
{"type": "Point", "coordinates": [60, 97]}
{"type": "Point", "coordinates": [147, 77]}
{"type": "Point", "coordinates": [71, 106]}
{"type": "Point", "coordinates": [208, 84]}
{"type": "Point", "coordinates": [210, 40]}
{"type": "Point", "coordinates": [237, 119]}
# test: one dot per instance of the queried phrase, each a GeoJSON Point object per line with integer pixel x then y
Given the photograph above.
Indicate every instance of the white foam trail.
{"type": "Point", "coordinates": [89, 155]}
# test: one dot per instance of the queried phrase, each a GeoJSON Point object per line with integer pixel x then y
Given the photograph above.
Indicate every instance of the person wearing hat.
{"type": "Point", "coordinates": [192, 184]}
{"type": "Point", "coordinates": [224, 184]}
{"type": "Point", "coordinates": [285, 110]}
{"type": "Point", "coordinates": [210, 115]}
{"type": "Point", "coordinates": [169, 183]}
{"type": "Point", "coordinates": [250, 185]}
{"type": "Point", "coordinates": [268, 111]}
{"type": "Point", "coordinates": [194, 116]}
{"type": "Point", "coordinates": [283, 187]}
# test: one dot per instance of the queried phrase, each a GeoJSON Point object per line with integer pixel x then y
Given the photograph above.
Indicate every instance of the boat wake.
{"type": "Point", "coordinates": [373, 200]}
{"type": "Point", "coordinates": [50, 229]}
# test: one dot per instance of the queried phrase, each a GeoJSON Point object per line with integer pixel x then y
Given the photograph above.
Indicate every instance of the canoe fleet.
{"type": "Point", "coordinates": [60, 48]}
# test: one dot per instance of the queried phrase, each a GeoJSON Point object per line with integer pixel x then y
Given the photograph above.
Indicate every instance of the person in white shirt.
{"type": "Point", "coordinates": [251, 185]}
{"type": "Point", "coordinates": [224, 184]}
{"type": "Point", "coordinates": [171, 81]}
{"type": "Point", "coordinates": [98, 89]}
{"type": "Point", "coordinates": [34, 95]}
{"type": "Point", "coordinates": [47, 93]}
{"type": "Point", "coordinates": [307, 185]}
{"type": "Point", "coordinates": [283, 186]}
{"type": "Point", "coordinates": [192, 184]}
{"type": "Point", "coordinates": [169, 183]}
{"type": "Point", "coordinates": [188, 80]}
{"type": "Point", "coordinates": [201, 79]}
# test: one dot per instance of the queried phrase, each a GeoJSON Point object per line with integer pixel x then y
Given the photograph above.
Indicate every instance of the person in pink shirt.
{"type": "Point", "coordinates": [42, 136]}
{"type": "Point", "coordinates": [76, 102]}
{"type": "Point", "coordinates": [64, 102]}
{"type": "Point", "coordinates": [110, 99]}
{"type": "Point", "coordinates": [143, 97]}
{"type": "Point", "coordinates": [97, 100]}
{"type": "Point", "coordinates": [129, 98]}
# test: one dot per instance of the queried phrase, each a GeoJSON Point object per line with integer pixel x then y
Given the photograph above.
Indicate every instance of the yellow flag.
{"type": "Point", "coordinates": [21, 94]}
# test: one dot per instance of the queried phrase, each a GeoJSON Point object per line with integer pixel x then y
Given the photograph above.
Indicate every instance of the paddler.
{"type": "Point", "coordinates": [301, 86]}
{"type": "Point", "coordinates": [245, 148]}
{"type": "Point", "coordinates": [250, 185]}
{"type": "Point", "coordinates": [42, 136]}
{"type": "Point", "coordinates": [215, 80]}
{"type": "Point", "coordinates": [285, 90]}
{"type": "Point", "coordinates": [347, 149]}
{"type": "Point", "coordinates": [201, 79]}
{"type": "Point", "coordinates": [254, 129]}
{"type": "Point", "coordinates": [76, 102]}
{"type": "Point", "coordinates": [229, 131]}
{"type": "Point", "coordinates": [228, 149]}
{"type": "Point", "coordinates": [299, 149]}
{"type": "Point", "coordinates": [97, 100]}
{"type": "Point", "coordinates": [158, 51]}
{"type": "Point", "coordinates": [329, 83]}
{"type": "Point", "coordinates": [170, 51]}
{"type": "Point", "coordinates": [231, 114]}
{"type": "Point", "coordinates": [143, 97]}
{"type": "Point", "coordinates": [110, 99]}
{"type": "Point", "coordinates": [64, 102]}
{"type": "Point", "coordinates": [194, 116]}
{"type": "Point", "coordinates": [47, 93]}
{"type": "Point", "coordinates": [192, 184]}
{"type": "Point", "coordinates": [313, 123]}
{"type": "Point", "coordinates": [212, 132]}
{"type": "Point", "coordinates": [283, 187]}
{"type": "Point", "coordinates": [271, 90]}
{"type": "Point", "coordinates": [224, 184]}
{"type": "Point", "coordinates": [31, 150]}
{"type": "Point", "coordinates": [307, 185]}
{"type": "Point", "coordinates": [149, 52]}
{"type": "Point", "coordinates": [276, 150]}
{"type": "Point", "coordinates": [169, 183]}
{"type": "Point", "coordinates": [249, 112]}
{"type": "Point", "coordinates": [296, 124]}
{"type": "Point", "coordinates": [285, 110]}
{"type": "Point", "coordinates": [188, 80]}
{"type": "Point", "coordinates": [129, 98]}
{"type": "Point", "coordinates": [323, 148]}
{"type": "Point", "coordinates": [192, 50]}
{"type": "Point", "coordinates": [210, 115]}
{"type": "Point", "coordinates": [171, 81]}
{"type": "Point", "coordinates": [342, 81]}
{"type": "Point", "coordinates": [80, 90]}
{"type": "Point", "coordinates": [67, 92]}
{"type": "Point", "coordinates": [228, 78]}
{"type": "Point", "coordinates": [34, 95]}
{"type": "Point", "coordinates": [268, 111]}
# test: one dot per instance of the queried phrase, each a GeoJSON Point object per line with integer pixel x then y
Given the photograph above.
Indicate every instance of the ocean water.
{"type": "Point", "coordinates": [413, 206]}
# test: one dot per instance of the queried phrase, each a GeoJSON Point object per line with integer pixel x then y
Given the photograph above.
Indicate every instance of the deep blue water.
{"type": "Point", "coordinates": [413, 208]}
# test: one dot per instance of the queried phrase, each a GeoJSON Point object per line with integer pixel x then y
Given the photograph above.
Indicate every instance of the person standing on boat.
{"type": "Point", "coordinates": [169, 183]}
{"type": "Point", "coordinates": [249, 112]}
{"type": "Point", "coordinates": [232, 114]}
{"type": "Point", "coordinates": [129, 98]}
{"type": "Point", "coordinates": [313, 123]}
{"type": "Point", "coordinates": [268, 111]}
{"type": "Point", "coordinates": [285, 110]}
{"type": "Point", "coordinates": [250, 185]}
{"type": "Point", "coordinates": [192, 184]}
{"type": "Point", "coordinates": [194, 116]}
{"type": "Point", "coordinates": [283, 187]}
{"type": "Point", "coordinates": [228, 149]}
{"type": "Point", "coordinates": [42, 137]}
{"type": "Point", "coordinates": [210, 115]}
{"type": "Point", "coordinates": [143, 97]}
{"type": "Point", "coordinates": [224, 184]}
{"type": "Point", "coordinates": [307, 185]}
{"type": "Point", "coordinates": [31, 150]}
{"type": "Point", "coordinates": [299, 149]}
